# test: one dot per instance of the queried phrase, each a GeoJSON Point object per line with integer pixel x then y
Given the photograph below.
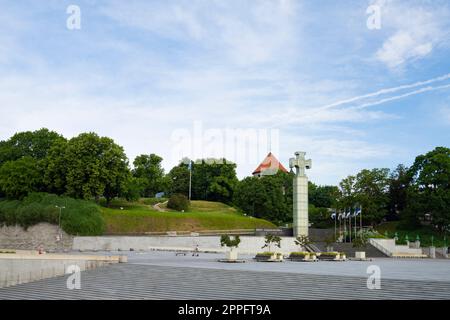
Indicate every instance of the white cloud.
{"type": "Point", "coordinates": [414, 31]}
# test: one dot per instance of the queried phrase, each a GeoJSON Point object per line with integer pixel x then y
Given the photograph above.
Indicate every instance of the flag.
{"type": "Point", "coordinates": [190, 165]}
{"type": "Point", "coordinates": [340, 216]}
{"type": "Point", "coordinates": [333, 215]}
{"type": "Point", "coordinates": [357, 212]}
{"type": "Point", "coordinates": [347, 215]}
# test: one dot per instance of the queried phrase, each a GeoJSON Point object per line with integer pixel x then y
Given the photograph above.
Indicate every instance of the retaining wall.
{"type": "Point", "coordinates": [250, 245]}
{"type": "Point", "coordinates": [42, 234]}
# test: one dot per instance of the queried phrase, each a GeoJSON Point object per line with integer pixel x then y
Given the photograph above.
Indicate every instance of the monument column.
{"type": "Point", "coordinates": [300, 194]}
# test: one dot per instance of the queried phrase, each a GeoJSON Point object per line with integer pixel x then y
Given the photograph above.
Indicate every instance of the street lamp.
{"type": "Point", "coordinates": [59, 221]}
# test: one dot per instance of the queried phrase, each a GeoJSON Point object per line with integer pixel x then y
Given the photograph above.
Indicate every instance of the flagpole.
{"type": "Point", "coordinates": [360, 219]}
{"type": "Point", "coordinates": [350, 222]}
{"type": "Point", "coordinates": [190, 179]}
{"type": "Point", "coordinates": [335, 217]}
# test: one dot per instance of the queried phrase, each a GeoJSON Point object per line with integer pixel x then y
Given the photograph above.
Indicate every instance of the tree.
{"type": "Point", "coordinates": [214, 180]}
{"type": "Point", "coordinates": [20, 177]}
{"type": "Point", "coordinates": [96, 166]}
{"type": "Point", "coordinates": [399, 182]}
{"type": "Point", "coordinates": [33, 144]}
{"type": "Point", "coordinates": [271, 240]}
{"type": "Point", "coordinates": [369, 189]}
{"type": "Point", "coordinates": [323, 196]}
{"type": "Point", "coordinates": [178, 180]}
{"type": "Point", "coordinates": [429, 192]}
{"type": "Point", "coordinates": [268, 197]}
{"type": "Point", "coordinates": [148, 169]}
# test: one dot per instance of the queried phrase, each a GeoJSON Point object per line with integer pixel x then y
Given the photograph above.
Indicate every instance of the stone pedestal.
{"type": "Point", "coordinates": [300, 205]}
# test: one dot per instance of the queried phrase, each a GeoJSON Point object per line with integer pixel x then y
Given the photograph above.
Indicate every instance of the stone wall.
{"type": "Point", "coordinates": [42, 234]}
{"type": "Point", "coordinates": [250, 245]}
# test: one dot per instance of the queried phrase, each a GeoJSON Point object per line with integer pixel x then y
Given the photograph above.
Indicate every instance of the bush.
{"type": "Point", "coordinates": [178, 202]}
{"type": "Point", "coordinates": [225, 240]}
{"type": "Point", "coordinates": [79, 217]}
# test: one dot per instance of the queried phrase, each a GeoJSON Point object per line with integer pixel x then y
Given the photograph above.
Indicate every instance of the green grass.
{"type": "Point", "coordinates": [424, 232]}
{"type": "Point", "coordinates": [202, 215]}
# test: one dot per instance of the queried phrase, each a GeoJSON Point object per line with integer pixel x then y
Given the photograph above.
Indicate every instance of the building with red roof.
{"type": "Point", "coordinates": [269, 166]}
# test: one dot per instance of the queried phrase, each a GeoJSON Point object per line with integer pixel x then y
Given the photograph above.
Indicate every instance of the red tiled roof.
{"type": "Point", "coordinates": [270, 162]}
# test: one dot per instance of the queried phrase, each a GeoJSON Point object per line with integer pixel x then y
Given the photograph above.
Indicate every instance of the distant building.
{"type": "Point", "coordinates": [269, 166]}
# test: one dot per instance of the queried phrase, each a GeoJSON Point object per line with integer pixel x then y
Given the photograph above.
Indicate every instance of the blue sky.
{"type": "Point", "coordinates": [138, 71]}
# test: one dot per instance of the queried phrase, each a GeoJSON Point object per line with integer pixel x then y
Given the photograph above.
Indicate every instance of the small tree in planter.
{"type": "Point", "coordinates": [270, 255]}
{"type": "Point", "coordinates": [302, 242]}
{"type": "Point", "coordinates": [225, 240]}
{"type": "Point", "coordinates": [360, 242]}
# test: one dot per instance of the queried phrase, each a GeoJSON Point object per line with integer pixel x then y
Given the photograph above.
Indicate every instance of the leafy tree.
{"type": "Point", "coordinates": [429, 192]}
{"type": "Point", "coordinates": [369, 188]}
{"type": "Point", "coordinates": [268, 197]}
{"type": "Point", "coordinates": [178, 180]}
{"type": "Point", "coordinates": [214, 180]}
{"type": "Point", "coordinates": [148, 169]}
{"type": "Point", "coordinates": [399, 182]}
{"type": "Point", "coordinates": [225, 240]}
{"type": "Point", "coordinates": [302, 242]}
{"type": "Point", "coordinates": [33, 144]}
{"type": "Point", "coordinates": [20, 177]}
{"type": "Point", "coordinates": [323, 196]}
{"type": "Point", "coordinates": [96, 166]}
{"type": "Point", "coordinates": [271, 240]}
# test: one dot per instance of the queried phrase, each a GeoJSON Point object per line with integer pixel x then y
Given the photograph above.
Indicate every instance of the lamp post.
{"type": "Point", "coordinates": [59, 221]}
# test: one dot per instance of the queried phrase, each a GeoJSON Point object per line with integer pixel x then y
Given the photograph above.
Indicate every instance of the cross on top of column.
{"type": "Point", "coordinates": [300, 163]}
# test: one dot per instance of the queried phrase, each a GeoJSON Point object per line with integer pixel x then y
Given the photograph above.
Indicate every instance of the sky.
{"type": "Point", "coordinates": [181, 78]}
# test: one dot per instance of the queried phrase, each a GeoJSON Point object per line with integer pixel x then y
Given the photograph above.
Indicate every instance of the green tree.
{"type": "Point", "coordinates": [323, 196]}
{"type": "Point", "coordinates": [148, 169]}
{"type": "Point", "coordinates": [399, 182]}
{"type": "Point", "coordinates": [429, 192]}
{"type": "Point", "coordinates": [178, 180]}
{"type": "Point", "coordinates": [369, 189]}
{"type": "Point", "coordinates": [96, 166]}
{"type": "Point", "coordinates": [214, 180]}
{"type": "Point", "coordinates": [268, 197]}
{"type": "Point", "coordinates": [33, 144]}
{"type": "Point", "coordinates": [20, 177]}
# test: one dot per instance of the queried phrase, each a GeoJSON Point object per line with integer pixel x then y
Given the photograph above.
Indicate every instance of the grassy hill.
{"type": "Point", "coordinates": [139, 217]}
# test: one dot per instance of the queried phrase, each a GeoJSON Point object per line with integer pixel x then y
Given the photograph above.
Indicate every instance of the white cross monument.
{"type": "Point", "coordinates": [300, 204]}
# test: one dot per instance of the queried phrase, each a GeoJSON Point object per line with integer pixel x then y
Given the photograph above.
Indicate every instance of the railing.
{"type": "Point", "coordinates": [380, 247]}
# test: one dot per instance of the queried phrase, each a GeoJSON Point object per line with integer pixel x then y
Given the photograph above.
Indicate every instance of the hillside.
{"type": "Point", "coordinates": [137, 217]}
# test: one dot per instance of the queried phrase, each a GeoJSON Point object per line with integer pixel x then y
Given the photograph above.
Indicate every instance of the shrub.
{"type": "Point", "coordinates": [178, 202]}
{"type": "Point", "coordinates": [225, 240]}
{"type": "Point", "coordinates": [78, 217]}
{"type": "Point", "coordinates": [299, 254]}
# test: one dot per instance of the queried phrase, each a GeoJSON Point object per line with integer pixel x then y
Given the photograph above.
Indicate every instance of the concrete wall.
{"type": "Point", "coordinates": [42, 234]}
{"type": "Point", "coordinates": [249, 245]}
{"type": "Point", "coordinates": [16, 270]}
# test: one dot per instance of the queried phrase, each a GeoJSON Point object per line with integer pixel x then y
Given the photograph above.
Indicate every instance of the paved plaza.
{"type": "Point", "coordinates": [163, 275]}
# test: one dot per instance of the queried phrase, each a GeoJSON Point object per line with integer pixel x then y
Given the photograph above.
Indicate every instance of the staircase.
{"type": "Point", "coordinates": [371, 251]}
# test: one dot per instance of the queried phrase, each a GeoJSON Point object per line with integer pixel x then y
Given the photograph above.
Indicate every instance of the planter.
{"type": "Point", "coordinates": [269, 257]}
{"type": "Point", "coordinates": [231, 255]}
{"type": "Point", "coordinates": [329, 256]}
{"type": "Point", "coordinates": [306, 256]}
{"type": "Point", "coordinates": [360, 255]}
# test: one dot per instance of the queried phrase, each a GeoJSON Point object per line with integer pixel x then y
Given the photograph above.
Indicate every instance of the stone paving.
{"type": "Point", "coordinates": [163, 275]}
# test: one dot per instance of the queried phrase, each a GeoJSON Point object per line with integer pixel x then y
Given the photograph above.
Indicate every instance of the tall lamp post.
{"type": "Point", "coordinates": [59, 221]}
